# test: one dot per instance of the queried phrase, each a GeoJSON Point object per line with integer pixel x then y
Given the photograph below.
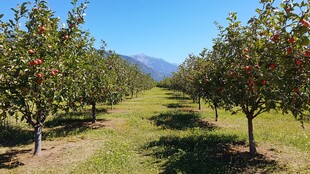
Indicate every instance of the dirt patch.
{"type": "Point", "coordinates": [288, 159]}
{"type": "Point", "coordinates": [100, 123]}
{"type": "Point", "coordinates": [54, 153]}
{"type": "Point", "coordinates": [57, 153]}
{"type": "Point", "coordinates": [115, 123]}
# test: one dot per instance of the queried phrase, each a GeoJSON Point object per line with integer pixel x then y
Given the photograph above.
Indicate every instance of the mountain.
{"type": "Point", "coordinates": [157, 67]}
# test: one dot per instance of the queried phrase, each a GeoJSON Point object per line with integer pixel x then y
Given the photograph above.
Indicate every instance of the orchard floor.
{"type": "Point", "coordinates": [159, 132]}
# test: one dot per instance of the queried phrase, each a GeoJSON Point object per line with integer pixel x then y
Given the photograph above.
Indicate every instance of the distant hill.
{"type": "Point", "coordinates": [157, 67]}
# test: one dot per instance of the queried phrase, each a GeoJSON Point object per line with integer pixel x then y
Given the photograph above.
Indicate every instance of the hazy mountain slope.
{"type": "Point", "coordinates": [147, 70]}
{"type": "Point", "coordinates": [158, 68]}
{"type": "Point", "coordinates": [157, 64]}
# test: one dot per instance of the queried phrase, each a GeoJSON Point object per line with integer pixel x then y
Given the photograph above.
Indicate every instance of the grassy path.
{"type": "Point", "coordinates": [160, 132]}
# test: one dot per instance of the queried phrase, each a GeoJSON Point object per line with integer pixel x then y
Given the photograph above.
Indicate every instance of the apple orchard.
{"type": "Point", "coordinates": [262, 66]}
{"type": "Point", "coordinates": [252, 68]}
{"type": "Point", "coordinates": [46, 68]}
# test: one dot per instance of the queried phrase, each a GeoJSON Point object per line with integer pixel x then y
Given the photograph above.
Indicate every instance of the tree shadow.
{"type": "Point", "coordinates": [181, 121]}
{"type": "Point", "coordinates": [176, 96]}
{"type": "Point", "coordinates": [207, 154]}
{"type": "Point", "coordinates": [86, 113]}
{"type": "Point", "coordinates": [8, 160]}
{"type": "Point", "coordinates": [63, 126]}
{"type": "Point", "coordinates": [175, 105]}
{"type": "Point", "coordinates": [14, 136]}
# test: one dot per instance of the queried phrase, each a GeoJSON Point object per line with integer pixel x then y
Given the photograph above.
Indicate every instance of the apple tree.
{"type": "Point", "coordinates": [267, 61]}
{"type": "Point", "coordinates": [31, 75]}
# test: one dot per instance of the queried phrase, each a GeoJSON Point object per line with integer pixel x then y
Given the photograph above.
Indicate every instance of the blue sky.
{"type": "Point", "coordinates": [168, 29]}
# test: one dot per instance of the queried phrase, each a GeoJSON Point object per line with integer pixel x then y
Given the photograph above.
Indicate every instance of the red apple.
{"type": "Point", "coordinates": [264, 82]}
{"type": "Point", "coordinates": [79, 20]}
{"type": "Point", "coordinates": [43, 29]}
{"type": "Point", "coordinates": [71, 26]}
{"type": "Point", "coordinates": [257, 66]}
{"type": "Point", "coordinates": [291, 40]}
{"type": "Point", "coordinates": [246, 50]}
{"type": "Point", "coordinates": [31, 63]}
{"type": "Point", "coordinates": [246, 56]}
{"type": "Point", "coordinates": [307, 53]}
{"type": "Point", "coordinates": [36, 62]}
{"type": "Point", "coordinates": [56, 71]}
{"type": "Point", "coordinates": [66, 37]}
{"type": "Point", "coordinates": [248, 69]}
{"type": "Point", "coordinates": [275, 37]}
{"type": "Point", "coordinates": [31, 51]}
{"type": "Point", "coordinates": [289, 50]}
{"type": "Point", "coordinates": [250, 83]}
{"type": "Point", "coordinates": [298, 62]}
{"type": "Point", "coordinates": [40, 61]}
{"type": "Point", "coordinates": [39, 75]}
{"type": "Point", "coordinates": [305, 23]}
{"type": "Point", "coordinates": [272, 66]}
{"type": "Point", "coordinates": [296, 90]}
{"type": "Point", "coordinates": [53, 73]}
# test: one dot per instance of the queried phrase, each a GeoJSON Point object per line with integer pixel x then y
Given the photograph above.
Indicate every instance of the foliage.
{"type": "Point", "coordinates": [258, 67]}
{"type": "Point", "coordinates": [45, 67]}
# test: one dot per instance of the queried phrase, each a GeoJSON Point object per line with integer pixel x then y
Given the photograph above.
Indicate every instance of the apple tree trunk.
{"type": "Point", "coordinates": [94, 112]}
{"type": "Point", "coordinates": [38, 139]}
{"type": "Point", "coordinates": [251, 135]}
{"type": "Point", "coordinates": [199, 102]}
{"type": "Point", "coordinates": [216, 112]}
{"type": "Point", "coordinates": [112, 102]}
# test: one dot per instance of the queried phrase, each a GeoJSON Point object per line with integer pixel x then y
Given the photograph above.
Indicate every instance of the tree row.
{"type": "Point", "coordinates": [254, 68]}
{"type": "Point", "coordinates": [48, 66]}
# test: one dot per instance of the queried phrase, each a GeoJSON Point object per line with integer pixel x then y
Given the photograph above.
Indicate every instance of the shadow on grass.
{"type": "Point", "coordinates": [57, 127]}
{"type": "Point", "coordinates": [175, 105]}
{"type": "Point", "coordinates": [176, 96]}
{"type": "Point", "coordinates": [86, 113]}
{"type": "Point", "coordinates": [207, 154]}
{"type": "Point", "coordinates": [8, 161]}
{"type": "Point", "coordinates": [63, 126]}
{"type": "Point", "coordinates": [180, 121]}
{"type": "Point", "coordinates": [14, 136]}
{"type": "Point", "coordinates": [169, 93]}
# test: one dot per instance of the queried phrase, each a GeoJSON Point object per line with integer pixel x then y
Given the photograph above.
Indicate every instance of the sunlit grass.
{"type": "Point", "coordinates": [160, 132]}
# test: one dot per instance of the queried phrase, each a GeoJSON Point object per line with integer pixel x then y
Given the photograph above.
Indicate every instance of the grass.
{"type": "Point", "coordinates": [161, 132]}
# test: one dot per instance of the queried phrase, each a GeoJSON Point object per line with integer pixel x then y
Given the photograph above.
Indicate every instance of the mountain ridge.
{"type": "Point", "coordinates": [158, 68]}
